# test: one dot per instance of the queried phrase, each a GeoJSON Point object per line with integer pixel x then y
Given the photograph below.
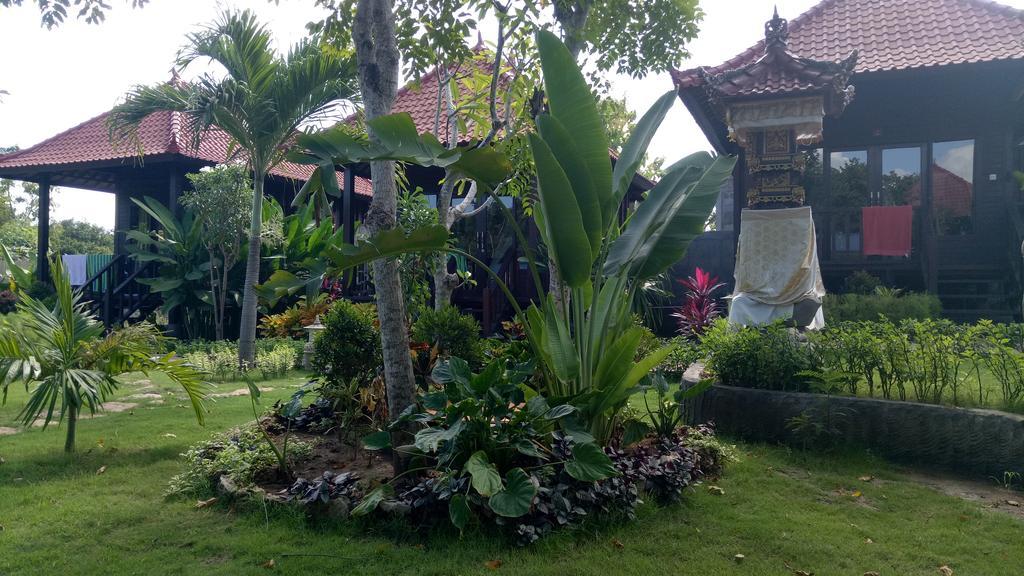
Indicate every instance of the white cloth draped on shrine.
{"type": "Point", "coordinates": [776, 266]}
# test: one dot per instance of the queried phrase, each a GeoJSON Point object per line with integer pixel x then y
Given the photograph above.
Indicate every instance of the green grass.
{"type": "Point", "coordinates": [778, 507]}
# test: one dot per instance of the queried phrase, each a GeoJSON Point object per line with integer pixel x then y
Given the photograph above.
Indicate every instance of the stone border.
{"type": "Point", "coordinates": [965, 440]}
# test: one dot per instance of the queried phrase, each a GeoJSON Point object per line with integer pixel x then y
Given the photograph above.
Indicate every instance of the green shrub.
{"type": "Point", "coordinates": [243, 455]}
{"type": "Point", "coordinates": [861, 282]}
{"type": "Point", "coordinates": [767, 357]}
{"type": "Point", "coordinates": [686, 352]}
{"type": "Point", "coordinates": [274, 357]}
{"type": "Point", "coordinates": [349, 345]}
{"type": "Point", "coordinates": [890, 304]}
{"type": "Point", "coordinates": [275, 361]}
{"type": "Point", "coordinates": [452, 332]}
{"type": "Point", "coordinates": [219, 359]}
{"type": "Point", "coordinates": [265, 345]}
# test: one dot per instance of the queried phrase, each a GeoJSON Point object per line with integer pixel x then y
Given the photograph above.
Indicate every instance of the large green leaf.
{"type": "Point", "coordinates": [373, 499]}
{"type": "Point", "coordinates": [430, 439]}
{"type": "Point", "coordinates": [617, 358]}
{"type": "Point", "coordinates": [558, 344]}
{"type": "Point", "coordinates": [485, 476]}
{"type": "Point", "coordinates": [687, 221]}
{"type": "Point", "coordinates": [517, 497]}
{"type": "Point", "coordinates": [386, 244]}
{"type": "Point", "coordinates": [573, 103]}
{"type": "Point", "coordinates": [569, 243]}
{"type": "Point", "coordinates": [674, 213]}
{"type": "Point", "coordinates": [398, 140]}
{"type": "Point", "coordinates": [589, 463]}
{"type": "Point", "coordinates": [635, 149]}
{"type": "Point", "coordinates": [564, 148]}
{"type": "Point", "coordinates": [458, 511]}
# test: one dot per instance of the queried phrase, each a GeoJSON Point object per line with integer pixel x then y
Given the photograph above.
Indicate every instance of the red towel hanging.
{"type": "Point", "coordinates": [888, 230]}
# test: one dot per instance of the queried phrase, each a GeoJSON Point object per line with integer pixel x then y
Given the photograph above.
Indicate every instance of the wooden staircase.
{"type": "Point", "coordinates": [970, 294]}
{"type": "Point", "coordinates": [116, 295]}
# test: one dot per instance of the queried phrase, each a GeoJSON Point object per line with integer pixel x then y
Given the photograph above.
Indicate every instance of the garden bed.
{"type": "Point", "coordinates": [976, 442]}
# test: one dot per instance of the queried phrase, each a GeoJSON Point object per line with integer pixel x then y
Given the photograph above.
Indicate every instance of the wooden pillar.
{"type": "Point", "coordinates": [43, 232]}
{"type": "Point", "coordinates": [122, 216]}
{"type": "Point", "coordinates": [174, 190]}
{"type": "Point", "coordinates": [347, 216]}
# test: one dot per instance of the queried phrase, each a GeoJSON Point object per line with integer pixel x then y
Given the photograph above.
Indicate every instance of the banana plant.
{"type": "Point", "coordinates": [586, 348]}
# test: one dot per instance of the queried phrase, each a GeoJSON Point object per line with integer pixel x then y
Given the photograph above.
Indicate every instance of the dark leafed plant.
{"type": "Point", "coordinates": [487, 434]}
{"type": "Point", "coordinates": [68, 364]}
{"type": "Point", "coordinates": [700, 306]}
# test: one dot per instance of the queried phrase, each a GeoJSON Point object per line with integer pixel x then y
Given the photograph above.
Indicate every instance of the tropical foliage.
{"type": "Point", "coordinates": [261, 102]}
{"type": "Point", "coordinates": [183, 264]}
{"type": "Point", "coordinates": [68, 364]}
{"type": "Point", "coordinates": [586, 348]}
{"type": "Point", "coordinates": [700, 306]}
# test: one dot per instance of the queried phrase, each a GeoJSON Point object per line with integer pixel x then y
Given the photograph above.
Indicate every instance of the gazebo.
{"type": "Point", "coordinates": [85, 157]}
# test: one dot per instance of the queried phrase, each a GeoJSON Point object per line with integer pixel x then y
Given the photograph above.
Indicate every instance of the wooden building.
{"type": "Point", "coordinates": [912, 176]}
{"type": "Point", "coordinates": [84, 157]}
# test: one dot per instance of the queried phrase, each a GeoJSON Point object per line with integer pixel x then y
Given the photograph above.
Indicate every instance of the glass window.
{"type": "Point", "coordinates": [901, 177]}
{"type": "Point", "coordinates": [848, 179]}
{"type": "Point", "coordinates": [952, 175]}
{"type": "Point", "coordinates": [813, 175]}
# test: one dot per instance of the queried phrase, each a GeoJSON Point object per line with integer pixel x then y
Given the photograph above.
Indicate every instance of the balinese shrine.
{"type": "Point", "coordinates": [872, 135]}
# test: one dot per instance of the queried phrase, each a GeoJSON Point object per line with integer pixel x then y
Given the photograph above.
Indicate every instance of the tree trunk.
{"type": "Point", "coordinates": [444, 281]}
{"type": "Point", "coordinates": [69, 441]}
{"type": "Point", "coordinates": [377, 57]}
{"type": "Point", "coordinates": [247, 330]}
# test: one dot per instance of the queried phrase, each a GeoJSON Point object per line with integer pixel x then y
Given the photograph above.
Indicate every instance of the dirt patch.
{"type": "Point", "coordinates": [118, 406]}
{"type": "Point", "coordinates": [239, 392]}
{"type": "Point", "coordinates": [330, 454]}
{"type": "Point", "coordinates": [987, 495]}
{"type": "Point", "coordinates": [152, 396]}
{"type": "Point", "coordinates": [7, 430]}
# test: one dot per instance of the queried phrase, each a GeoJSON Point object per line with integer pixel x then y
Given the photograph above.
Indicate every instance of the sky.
{"type": "Point", "coordinates": [61, 77]}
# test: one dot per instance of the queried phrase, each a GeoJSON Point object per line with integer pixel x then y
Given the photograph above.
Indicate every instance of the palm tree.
{"type": "Point", "coordinates": [63, 352]}
{"type": "Point", "coordinates": [261, 102]}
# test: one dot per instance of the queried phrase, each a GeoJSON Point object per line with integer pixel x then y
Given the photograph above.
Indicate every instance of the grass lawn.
{"type": "Point", "coordinates": [778, 509]}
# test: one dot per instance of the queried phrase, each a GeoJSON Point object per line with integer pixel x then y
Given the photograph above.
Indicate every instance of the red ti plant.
{"type": "Point", "coordinates": [700, 307]}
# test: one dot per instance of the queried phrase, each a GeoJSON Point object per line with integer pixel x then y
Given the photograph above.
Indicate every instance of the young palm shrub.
{"type": "Point", "coordinates": [261, 102]}
{"type": "Point", "coordinates": [67, 363]}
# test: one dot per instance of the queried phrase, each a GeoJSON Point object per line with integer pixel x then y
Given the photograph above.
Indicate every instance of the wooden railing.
{"type": "Point", "coordinates": [115, 293]}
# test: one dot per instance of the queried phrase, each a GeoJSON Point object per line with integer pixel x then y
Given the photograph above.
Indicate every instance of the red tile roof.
{"type": "Point", "coordinates": [161, 133]}
{"type": "Point", "coordinates": [894, 35]}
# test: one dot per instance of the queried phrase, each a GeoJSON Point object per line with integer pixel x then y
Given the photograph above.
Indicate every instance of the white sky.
{"type": "Point", "coordinates": [62, 77]}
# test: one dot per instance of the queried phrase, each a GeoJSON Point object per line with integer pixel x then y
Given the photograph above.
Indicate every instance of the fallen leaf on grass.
{"type": "Point", "coordinates": [492, 564]}
{"type": "Point", "coordinates": [2, 461]}
{"type": "Point", "coordinates": [857, 494]}
{"type": "Point", "coordinates": [866, 478]}
{"type": "Point", "coordinates": [872, 573]}
{"type": "Point", "coordinates": [869, 541]}
{"type": "Point", "coordinates": [205, 503]}
{"type": "Point", "coordinates": [716, 490]}
{"type": "Point", "coordinates": [1013, 503]}
{"type": "Point", "coordinates": [101, 470]}
{"type": "Point", "coordinates": [617, 543]}
{"type": "Point", "coordinates": [269, 564]}
{"type": "Point", "coordinates": [945, 570]}
{"type": "Point", "coordinates": [169, 435]}
{"type": "Point", "coordinates": [739, 558]}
